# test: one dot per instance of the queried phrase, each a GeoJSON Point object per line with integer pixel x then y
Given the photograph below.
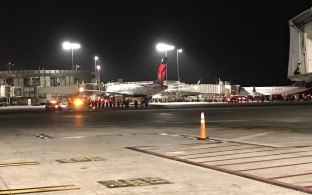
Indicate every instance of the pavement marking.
{"type": "Point", "coordinates": [204, 148]}
{"type": "Point", "coordinates": [277, 166]}
{"type": "Point", "coordinates": [255, 161]}
{"type": "Point", "coordinates": [270, 167]}
{"type": "Point", "coordinates": [286, 176]}
{"type": "Point", "coordinates": [165, 114]}
{"type": "Point", "coordinates": [75, 137]}
{"type": "Point", "coordinates": [39, 189]}
{"type": "Point", "coordinates": [235, 153]}
{"type": "Point", "coordinates": [18, 164]}
{"type": "Point", "coordinates": [253, 147]}
{"type": "Point", "coordinates": [133, 182]}
{"type": "Point", "coordinates": [74, 160]}
{"type": "Point", "coordinates": [225, 159]}
{"type": "Point", "coordinates": [43, 136]}
{"type": "Point", "coordinates": [188, 137]}
{"type": "Point", "coordinates": [256, 135]}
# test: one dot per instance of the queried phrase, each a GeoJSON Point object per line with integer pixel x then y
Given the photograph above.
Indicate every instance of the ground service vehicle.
{"type": "Point", "coordinates": [80, 104]}
{"type": "Point", "coordinates": [53, 105]}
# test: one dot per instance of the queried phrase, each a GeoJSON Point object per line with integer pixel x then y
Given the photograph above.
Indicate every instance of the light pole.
{"type": "Point", "coordinates": [98, 67]}
{"type": "Point", "coordinates": [10, 64]}
{"type": "Point", "coordinates": [96, 58]}
{"type": "Point", "coordinates": [71, 46]}
{"type": "Point", "coordinates": [166, 48]}
{"type": "Point", "coordinates": [178, 51]}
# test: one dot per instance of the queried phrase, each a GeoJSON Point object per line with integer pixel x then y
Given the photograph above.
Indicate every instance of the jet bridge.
{"type": "Point", "coordinates": [300, 48]}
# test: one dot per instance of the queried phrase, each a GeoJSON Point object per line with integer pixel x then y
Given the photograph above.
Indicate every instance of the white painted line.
{"type": "Point", "coordinates": [75, 137]}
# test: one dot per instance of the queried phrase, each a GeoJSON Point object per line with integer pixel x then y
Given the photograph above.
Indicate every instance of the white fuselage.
{"type": "Point", "coordinates": [136, 88]}
{"type": "Point", "coordinates": [278, 90]}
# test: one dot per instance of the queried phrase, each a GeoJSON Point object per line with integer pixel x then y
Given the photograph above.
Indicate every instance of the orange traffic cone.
{"type": "Point", "coordinates": [202, 127]}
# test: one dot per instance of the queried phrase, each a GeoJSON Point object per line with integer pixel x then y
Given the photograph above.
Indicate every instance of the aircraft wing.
{"type": "Point", "coordinates": [146, 85]}
{"type": "Point", "coordinates": [127, 93]}
{"type": "Point", "coordinates": [243, 92]}
{"type": "Point", "coordinates": [246, 91]}
{"type": "Point", "coordinates": [255, 94]}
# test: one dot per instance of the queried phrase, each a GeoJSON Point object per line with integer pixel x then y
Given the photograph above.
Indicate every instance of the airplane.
{"type": "Point", "coordinates": [297, 87]}
{"type": "Point", "coordinates": [140, 89]}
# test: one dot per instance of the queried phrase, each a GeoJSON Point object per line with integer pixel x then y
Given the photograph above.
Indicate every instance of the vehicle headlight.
{"type": "Point", "coordinates": [78, 102]}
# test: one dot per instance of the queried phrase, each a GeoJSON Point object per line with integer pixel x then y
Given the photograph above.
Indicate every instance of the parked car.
{"type": "Point", "coordinates": [4, 102]}
{"type": "Point", "coordinates": [53, 105]}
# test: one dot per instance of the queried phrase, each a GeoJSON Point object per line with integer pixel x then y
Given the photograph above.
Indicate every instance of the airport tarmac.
{"type": "Point", "coordinates": [255, 149]}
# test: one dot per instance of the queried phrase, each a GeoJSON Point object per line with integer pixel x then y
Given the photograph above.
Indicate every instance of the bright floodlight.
{"type": "Point", "coordinates": [96, 57]}
{"type": "Point", "coordinates": [164, 47]}
{"type": "Point", "coordinates": [75, 45]}
{"type": "Point", "coordinates": [179, 50]}
{"type": "Point", "coordinates": [98, 67]}
{"type": "Point", "coordinates": [68, 45]}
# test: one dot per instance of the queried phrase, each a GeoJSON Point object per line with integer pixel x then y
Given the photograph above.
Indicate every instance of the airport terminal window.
{"type": "Point", "coordinates": [17, 91]}
{"type": "Point", "coordinates": [76, 80]}
{"type": "Point", "coordinates": [2, 81]}
{"type": "Point", "coordinates": [42, 96]}
{"type": "Point", "coordinates": [53, 81]}
{"type": "Point", "coordinates": [29, 92]}
{"type": "Point", "coordinates": [27, 82]}
{"type": "Point", "coordinates": [7, 91]}
{"type": "Point", "coordinates": [62, 81]}
{"type": "Point", "coordinates": [36, 81]}
{"type": "Point", "coordinates": [9, 81]}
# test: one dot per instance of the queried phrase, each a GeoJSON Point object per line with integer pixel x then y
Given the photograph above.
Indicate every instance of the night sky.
{"type": "Point", "coordinates": [245, 42]}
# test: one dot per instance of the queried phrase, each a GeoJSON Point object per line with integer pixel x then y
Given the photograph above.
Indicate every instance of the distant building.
{"type": "Point", "coordinates": [222, 88]}
{"type": "Point", "coordinates": [40, 85]}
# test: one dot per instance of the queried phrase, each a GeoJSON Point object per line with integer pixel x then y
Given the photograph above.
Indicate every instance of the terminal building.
{"type": "Point", "coordinates": [36, 86]}
{"type": "Point", "coordinates": [178, 89]}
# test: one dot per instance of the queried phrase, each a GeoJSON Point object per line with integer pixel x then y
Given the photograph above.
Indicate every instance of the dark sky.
{"type": "Point", "coordinates": [245, 42]}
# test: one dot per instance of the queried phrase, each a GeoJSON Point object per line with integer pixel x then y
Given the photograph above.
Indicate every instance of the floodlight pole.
{"type": "Point", "coordinates": [167, 68]}
{"type": "Point", "coordinates": [178, 51]}
{"type": "Point", "coordinates": [72, 51]}
{"type": "Point", "coordinates": [71, 46]}
{"type": "Point", "coordinates": [95, 59]}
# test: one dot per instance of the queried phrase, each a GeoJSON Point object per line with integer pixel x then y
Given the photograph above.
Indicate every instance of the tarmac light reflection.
{"type": "Point", "coordinates": [165, 114]}
{"type": "Point", "coordinates": [78, 120]}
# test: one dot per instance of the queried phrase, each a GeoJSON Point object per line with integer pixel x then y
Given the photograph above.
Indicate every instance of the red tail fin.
{"type": "Point", "coordinates": [162, 71]}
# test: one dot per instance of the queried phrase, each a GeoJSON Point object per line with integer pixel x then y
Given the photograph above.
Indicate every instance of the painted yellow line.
{"type": "Point", "coordinates": [19, 164]}
{"type": "Point", "coordinates": [39, 189]}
